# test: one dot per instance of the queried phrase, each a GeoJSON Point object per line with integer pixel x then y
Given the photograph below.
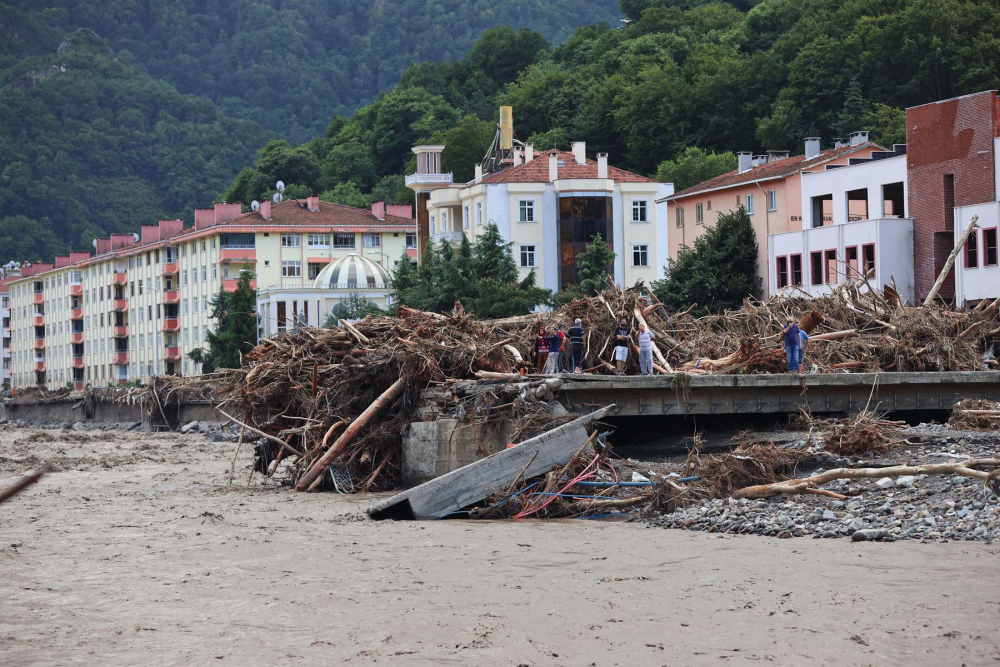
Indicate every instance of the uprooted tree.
{"type": "Point", "coordinates": [718, 273]}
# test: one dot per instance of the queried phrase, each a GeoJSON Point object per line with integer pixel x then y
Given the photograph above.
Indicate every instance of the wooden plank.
{"type": "Point", "coordinates": [470, 484]}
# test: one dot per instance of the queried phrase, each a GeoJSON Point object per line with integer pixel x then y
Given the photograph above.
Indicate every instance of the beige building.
{"type": "Point", "coordinates": [139, 306]}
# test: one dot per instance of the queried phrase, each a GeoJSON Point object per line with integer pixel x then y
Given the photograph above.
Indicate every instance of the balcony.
{"type": "Point", "coordinates": [171, 324]}
{"type": "Point", "coordinates": [76, 289]}
{"type": "Point", "coordinates": [119, 278]}
{"type": "Point", "coordinates": [121, 332]}
{"type": "Point", "coordinates": [429, 179]}
{"type": "Point", "coordinates": [39, 320]}
{"type": "Point", "coordinates": [38, 298]}
{"type": "Point", "coordinates": [121, 305]}
{"type": "Point", "coordinates": [121, 358]}
{"type": "Point", "coordinates": [39, 343]}
{"type": "Point", "coordinates": [76, 338]}
{"type": "Point", "coordinates": [171, 296]}
{"type": "Point", "coordinates": [172, 353]}
{"type": "Point", "coordinates": [450, 237]}
{"type": "Point", "coordinates": [76, 314]}
{"type": "Point", "coordinates": [170, 269]}
{"type": "Point", "coordinates": [39, 366]}
{"type": "Point", "coordinates": [231, 254]}
{"type": "Point", "coordinates": [229, 284]}
{"type": "Point", "coordinates": [77, 362]}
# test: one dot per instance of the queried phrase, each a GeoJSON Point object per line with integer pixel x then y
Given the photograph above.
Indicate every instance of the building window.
{"type": "Point", "coordinates": [411, 240]}
{"type": "Point", "coordinates": [527, 256]}
{"type": "Point", "coordinates": [343, 241]}
{"type": "Point", "coordinates": [772, 200]}
{"type": "Point", "coordinates": [639, 211]}
{"type": "Point", "coordinates": [868, 259]}
{"type": "Point", "coordinates": [699, 213]}
{"type": "Point", "coordinates": [738, 201]}
{"type": "Point", "coordinates": [815, 265]}
{"type": "Point", "coordinates": [319, 240]}
{"type": "Point", "coordinates": [679, 214]}
{"type": "Point", "coordinates": [479, 214]}
{"type": "Point", "coordinates": [831, 267]}
{"type": "Point", "coordinates": [640, 255]}
{"type": "Point", "coordinates": [851, 259]}
{"type": "Point", "coordinates": [782, 272]}
{"type": "Point", "coordinates": [433, 225]}
{"type": "Point", "coordinates": [526, 210]}
{"type": "Point", "coordinates": [444, 221]}
{"type": "Point", "coordinates": [291, 240]}
{"type": "Point", "coordinates": [749, 204]}
{"type": "Point", "coordinates": [373, 240]}
{"type": "Point", "coordinates": [465, 217]}
{"type": "Point", "coordinates": [972, 251]}
{"type": "Point", "coordinates": [314, 270]}
{"type": "Point", "coordinates": [796, 261]}
{"type": "Point", "coordinates": [291, 269]}
{"type": "Point", "coordinates": [990, 247]}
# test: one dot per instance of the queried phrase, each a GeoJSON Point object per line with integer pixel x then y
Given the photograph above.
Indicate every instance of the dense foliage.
{"type": "Point", "coordinates": [483, 277]}
{"type": "Point", "coordinates": [594, 266]}
{"type": "Point", "coordinates": [235, 333]}
{"type": "Point", "coordinates": [718, 272]}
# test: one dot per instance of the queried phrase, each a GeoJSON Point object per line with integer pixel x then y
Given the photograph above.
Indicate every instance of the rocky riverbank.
{"type": "Point", "coordinates": [925, 507]}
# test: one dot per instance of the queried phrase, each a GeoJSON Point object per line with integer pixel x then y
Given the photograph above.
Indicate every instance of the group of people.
{"type": "Point", "coordinates": [795, 340]}
{"type": "Point", "coordinates": [551, 348]}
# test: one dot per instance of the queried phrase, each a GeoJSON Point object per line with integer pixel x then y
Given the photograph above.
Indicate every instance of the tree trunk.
{"type": "Point", "coordinates": [950, 261]}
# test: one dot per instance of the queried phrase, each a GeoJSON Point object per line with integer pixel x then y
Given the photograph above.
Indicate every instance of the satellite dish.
{"type": "Point", "coordinates": [255, 205]}
{"type": "Point", "coordinates": [277, 197]}
{"type": "Point", "coordinates": [136, 237]}
{"type": "Point", "coordinates": [280, 186]}
{"type": "Point", "coordinates": [94, 242]}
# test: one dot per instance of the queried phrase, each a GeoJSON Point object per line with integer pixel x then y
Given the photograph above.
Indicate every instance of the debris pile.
{"type": "Point", "coordinates": [975, 414]}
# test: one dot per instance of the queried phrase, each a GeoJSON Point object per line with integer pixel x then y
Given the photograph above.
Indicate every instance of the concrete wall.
{"type": "Point", "coordinates": [870, 176]}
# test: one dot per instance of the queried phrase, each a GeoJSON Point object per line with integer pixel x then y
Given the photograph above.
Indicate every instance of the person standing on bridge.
{"type": "Point", "coordinates": [645, 337]}
{"type": "Point", "coordinates": [541, 349]}
{"type": "Point", "coordinates": [622, 339]}
{"type": "Point", "coordinates": [803, 340]}
{"type": "Point", "coordinates": [576, 338]}
{"type": "Point", "coordinates": [551, 363]}
{"type": "Point", "coordinates": [791, 335]}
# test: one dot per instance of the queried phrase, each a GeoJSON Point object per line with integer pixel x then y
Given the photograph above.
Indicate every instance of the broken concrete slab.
{"type": "Point", "coordinates": [463, 487]}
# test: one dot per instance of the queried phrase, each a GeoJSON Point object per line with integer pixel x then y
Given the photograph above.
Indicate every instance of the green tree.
{"type": "Point", "coordinates": [718, 273]}
{"type": "Point", "coordinates": [235, 332]}
{"type": "Point", "coordinates": [693, 166]}
{"type": "Point", "coordinates": [355, 307]}
{"type": "Point", "coordinates": [855, 111]}
{"type": "Point", "coordinates": [593, 267]}
{"type": "Point", "coordinates": [348, 194]}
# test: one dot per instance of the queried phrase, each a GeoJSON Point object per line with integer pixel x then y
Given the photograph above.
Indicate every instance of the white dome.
{"type": "Point", "coordinates": [352, 272]}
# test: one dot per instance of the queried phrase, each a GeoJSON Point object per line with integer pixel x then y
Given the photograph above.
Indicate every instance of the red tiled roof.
{"type": "Point", "coordinates": [776, 169]}
{"type": "Point", "coordinates": [6, 281]}
{"type": "Point", "coordinates": [537, 171]}
{"type": "Point", "coordinates": [293, 212]}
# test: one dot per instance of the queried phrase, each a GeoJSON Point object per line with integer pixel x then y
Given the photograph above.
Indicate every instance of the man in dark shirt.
{"type": "Point", "coordinates": [576, 337]}
{"type": "Point", "coordinates": [622, 339]}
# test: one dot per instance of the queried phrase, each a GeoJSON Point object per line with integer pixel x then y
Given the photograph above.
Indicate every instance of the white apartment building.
{"type": "Point", "coordinates": [139, 306]}
{"type": "Point", "coordinates": [549, 206]}
{"type": "Point", "coordinates": [8, 272]}
{"type": "Point", "coordinates": [854, 222]}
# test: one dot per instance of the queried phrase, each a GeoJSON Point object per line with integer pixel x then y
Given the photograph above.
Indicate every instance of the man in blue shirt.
{"type": "Point", "coordinates": [803, 339]}
{"type": "Point", "coordinates": [791, 335]}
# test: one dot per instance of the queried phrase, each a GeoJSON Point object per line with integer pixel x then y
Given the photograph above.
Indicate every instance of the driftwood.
{"type": "Point", "coordinates": [810, 484]}
{"type": "Point", "coordinates": [950, 262]}
{"type": "Point", "coordinates": [23, 483]}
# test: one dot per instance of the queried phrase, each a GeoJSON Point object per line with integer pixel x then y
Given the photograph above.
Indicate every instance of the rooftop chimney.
{"type": "Point", "coordinates": [776, 155]}
{"type": "Point", "coordinates": [225, 212]}
{"type": "Point", "coordinates": [479, 173]}
{"type": "Point", "coordinates": [265, 209]}
{"type": "Point", "coordinates": [170, 228]}
{"type": "Point", "coordinates": [151, 233]}
{"type": "Point", "coordinates": [75, 257]}
{"type": "Point", "coordinates": [602, 165]}
{"type": "Point", "coordinates": [204, 217]}
{"type": "Point", "coordinates": [378, 209]}
{"type": "Point", "coordinates": [840, 142]}
{"type": "Point", "coordinates": [517, 157]}
{"type": "Point", "coordinates": [529, 152]}
{"type": "Point", "coordinates": [859, 137]}
{"type": "Point", "coordinates": [580, 152]}
{"type": "Point", "coordinates": [103, 246]}
{"type": "Point", "coordinates": [744, 161]}
{"type": "Point", "coordinates": [62, 260]}
{"type": "Point", "coordinates": [553, 166]}
{"type": "Point", "coordinates": [758, 160]}
{"type": "Point", "coordinates": [812, 147]}
{"type": "Point", "coordinates": [400, 210]}
{"type": "Point", "coordinates": [312, 203]}
{"type": "Point", "coordinates": [121, 240]}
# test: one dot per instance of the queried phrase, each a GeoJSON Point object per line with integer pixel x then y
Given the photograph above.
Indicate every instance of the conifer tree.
{"type": "Point", "coordinates": [235, 326]}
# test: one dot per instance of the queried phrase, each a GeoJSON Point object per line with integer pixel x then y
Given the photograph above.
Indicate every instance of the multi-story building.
{"type": "Point", "coordinates": [8, 272]}
{"type": "Point", "coordinates": [768, 186]}
{"type": "Point", "coordinates": [854, 223]}
{"type": "Point", "coordinates": [139, 306]}
{"type": "Point", "coordinates": [549, 207]}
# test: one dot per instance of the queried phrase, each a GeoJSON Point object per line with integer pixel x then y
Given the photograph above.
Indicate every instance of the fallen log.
{"type": "Point", "coordinates": [406, 311]}
{"type": "Point", "coordinates": [313, 476]}
{"type": "Point", "coordinates": [835, 335]}
{"type": "Point", "coordinates": [354, 332]}
{"type": "Point", "coordinates": [278, 441]}
{"type": "Point", "coordinates": [809, 484]}
{"type": "Point", "coordinates": [811, 320]}
{"type": "Point", "coordinates": [950, 262]}
{"type": "Point", "coordinates": [24, 483]}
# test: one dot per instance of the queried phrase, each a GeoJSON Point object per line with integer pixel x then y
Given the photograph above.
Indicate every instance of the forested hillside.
{"type": "Point", "coordinates": [684, 80]}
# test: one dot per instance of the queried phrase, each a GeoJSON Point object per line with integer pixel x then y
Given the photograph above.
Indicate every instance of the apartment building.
{"type": "Point", "coordinates": [142, 303]}
{"type": "Point", "coordinates": [8, 272]}
{"type": "Point", "coordinates": [549, 207]}
{"type": "Point", "coordinates": [768, 186]}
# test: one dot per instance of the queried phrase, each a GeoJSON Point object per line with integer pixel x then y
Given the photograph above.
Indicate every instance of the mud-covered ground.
{"type": "Point", "coordinates": [137, 552]}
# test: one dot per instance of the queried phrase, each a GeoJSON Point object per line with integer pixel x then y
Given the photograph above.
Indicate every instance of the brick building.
{"type": "Point", "coordinates": [951, 164]}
